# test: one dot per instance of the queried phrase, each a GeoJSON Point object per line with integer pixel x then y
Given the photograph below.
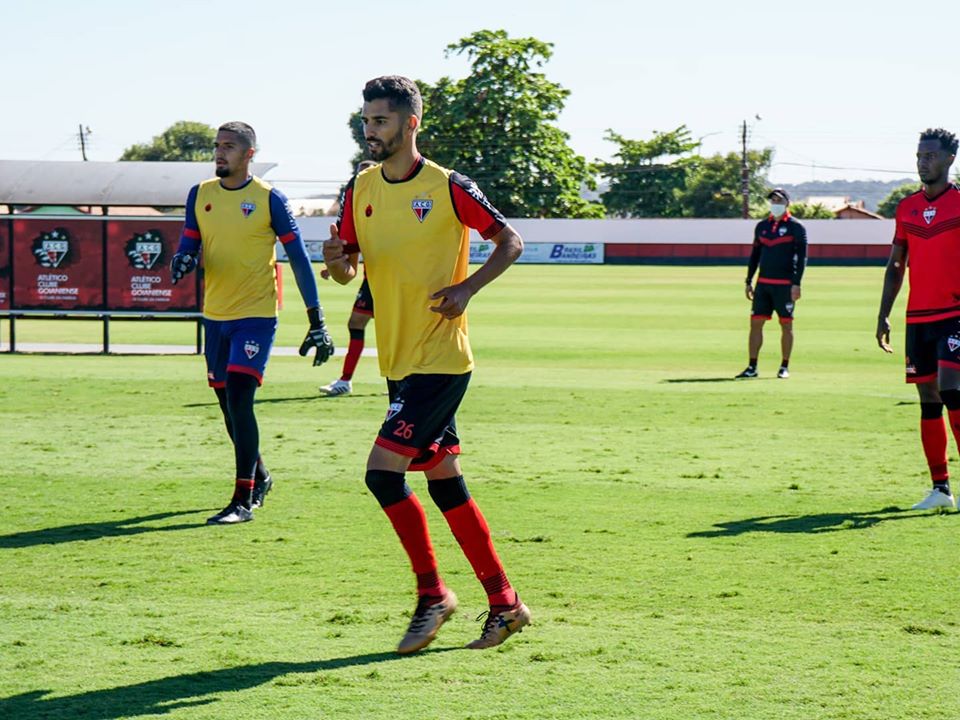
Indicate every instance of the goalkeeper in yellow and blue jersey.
{"type": "Point", "coordinates": [236, 219]}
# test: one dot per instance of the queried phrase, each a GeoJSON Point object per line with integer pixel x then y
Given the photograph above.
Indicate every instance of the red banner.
{"type": "Point", "coordinates": [4, 265]}
{"type": "Point", "coordinates": [59, 264]}
{"type": "Point", "coordinates": [138, 267]}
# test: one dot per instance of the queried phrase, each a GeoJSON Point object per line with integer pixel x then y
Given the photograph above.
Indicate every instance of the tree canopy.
{"type": "Point", "coordinates": [888, 206]}
{"type": "Point", "coordinates": [184, 140]}
{"type": "Point", "coordinates": [498, 126]}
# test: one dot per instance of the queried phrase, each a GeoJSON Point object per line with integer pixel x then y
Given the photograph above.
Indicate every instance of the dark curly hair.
{"type": "Point", "coordinates": [948, 141]}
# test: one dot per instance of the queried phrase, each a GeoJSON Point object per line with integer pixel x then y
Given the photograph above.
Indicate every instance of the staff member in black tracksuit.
{"type": "Point", "coordinates": [780, 252]}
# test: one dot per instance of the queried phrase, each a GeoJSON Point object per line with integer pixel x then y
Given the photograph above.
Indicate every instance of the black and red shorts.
{"type": "Point", "coordinates": [421, 422]}
{"type": "Point", "coordinates": [363, 303]}
{"type": "Point", "coordinates": [768, 297]}
{"type": "Point", "coordinates": [929, 346]}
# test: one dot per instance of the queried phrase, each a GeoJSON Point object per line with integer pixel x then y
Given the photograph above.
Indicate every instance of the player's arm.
{"type": "Point", "coordinates": [892, 282]}
{"type": "Point", "coordinates": [342, 251]}
{"type": "Point", "coordinates": [184, 260]}
{"type": "Point", "coordinates": [800, 259]}
{"type": "Point", "coordinates": [753, 263]}
{"type": "Point", "coordinates": [288, 233]}
{"type": "Point", "coordinates": [475, 211]}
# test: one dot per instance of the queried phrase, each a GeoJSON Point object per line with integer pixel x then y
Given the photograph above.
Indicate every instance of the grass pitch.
{"type": "Point", "coordinates": [691, 547]}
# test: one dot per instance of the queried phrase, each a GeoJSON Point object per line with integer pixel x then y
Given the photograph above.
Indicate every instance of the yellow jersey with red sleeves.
{"type": "Point", "coordinates": [414, 234]}
{"type": "Point", "coordinates": [239, 250]}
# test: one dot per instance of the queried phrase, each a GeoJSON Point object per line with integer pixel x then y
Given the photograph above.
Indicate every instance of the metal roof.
{"type": "Point", "coordinates": [165, 184]}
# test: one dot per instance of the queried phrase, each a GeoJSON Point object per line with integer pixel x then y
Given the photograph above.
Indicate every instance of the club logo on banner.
{"type": "Point", "coordinates": [50, 249]}
{"type": "Point", "coordinates": [422, 208]}
{"type": "Point", "coordinates": [144, 250]}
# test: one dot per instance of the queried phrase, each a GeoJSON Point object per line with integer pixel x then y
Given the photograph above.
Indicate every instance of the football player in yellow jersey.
{"type": "Point", "coordinates": [237, 219]}
{"type": "Point", "coordinates": [411, 219]}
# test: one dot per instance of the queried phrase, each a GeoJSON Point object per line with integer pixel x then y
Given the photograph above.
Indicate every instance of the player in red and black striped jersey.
{"type": "Point", "coordinates": [780, 252]}
{"type": "Point", "coordinates": [927, 240]}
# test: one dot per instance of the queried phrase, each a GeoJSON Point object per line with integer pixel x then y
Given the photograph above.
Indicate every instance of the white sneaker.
{"type": "Point", "coordinates": [337, 387]}
{"type": "Point", "coordinates": [935, 499]}
{"type": "Point", "coordinates": [783, 373]}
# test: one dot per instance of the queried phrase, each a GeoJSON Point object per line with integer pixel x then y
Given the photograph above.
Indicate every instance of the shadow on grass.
{"type": "Point", "coordinates": [305, 398]}
{"type": "Point", "coordinates": [699, 380]}
{"type": "Point", "coordinates": [159, 697]}
{"type": "Point", "coordinates": [821, 523]}
{"type": "Point", "coordinates": [95, 531]}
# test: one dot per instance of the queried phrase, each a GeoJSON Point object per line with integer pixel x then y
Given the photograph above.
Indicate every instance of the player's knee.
{"type": "Point", "coordinates": [448, 493]}
{"type": "Point", "coordinates": [387, 487]}
{"type": "Point", "coordinates": [951, 398]}
{"type": "Point", "coordinates": [931, 410]}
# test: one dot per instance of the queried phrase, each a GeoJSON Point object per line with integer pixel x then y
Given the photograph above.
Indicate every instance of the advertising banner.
{"type": "Point", "coordinates": [4, 265]}
{"type": "Point", "coordinates": [546, 253]}
{"type": "Point", "coordinates": [138, 267]}
{"type": "Point", "coordinates": [59, 264]}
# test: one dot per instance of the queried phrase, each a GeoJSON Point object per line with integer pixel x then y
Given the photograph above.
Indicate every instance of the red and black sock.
{"type": "Point", "coordinates": [243, 492]}
{"type": "Point", "coordinates": [354, 350]}
{"type": "Point", "coordinates": [933, 437]}
{"type": "Point", "coordinates": [410, 523]}
{"type": "Point", "coordinates": [470, 529]}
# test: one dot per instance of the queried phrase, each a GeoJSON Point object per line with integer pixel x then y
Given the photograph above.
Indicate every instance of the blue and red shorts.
{"type": "Point", "coordinates": [241, 346]}
{"type": "Point", "coordinates": [421, 421]}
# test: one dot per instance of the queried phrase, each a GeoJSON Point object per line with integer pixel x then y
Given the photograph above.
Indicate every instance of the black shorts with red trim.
{"type": "Point", "coordinates": [421, 421]}
{"type": "Point", "coordinates": [929, 346]}
{"type": "Point", "coordinates": [363, 303]}
{"type": "Point", "coordinates": [768, 297]}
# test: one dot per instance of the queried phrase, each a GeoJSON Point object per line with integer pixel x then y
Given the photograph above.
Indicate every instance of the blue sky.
{"type": "Point", "coordinates": [844, 85]}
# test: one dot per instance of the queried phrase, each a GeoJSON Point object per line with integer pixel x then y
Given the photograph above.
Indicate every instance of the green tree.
{"type": "Point", "coordinates": [888, 206]}
{"type": "Point", "coordinates": [714, 187]}
{"type": "Point", "coordinates": [497, 125]}
{"type": "Point", "coordinates": [184, 140]}
{"type": "Point", "coordinates": [649, 176]}
{"type": "Point", "coordinates": [817, 211]}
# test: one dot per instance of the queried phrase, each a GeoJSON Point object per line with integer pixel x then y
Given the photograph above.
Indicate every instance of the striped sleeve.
{"type": "Point", "coordinates": [472, 207]}
{"type": "Point", "coordinates": [288, 233]}
{"type": "Point", "coordinates": [190, 237]}
{"type": "Point", "coordinates": [345, 226]}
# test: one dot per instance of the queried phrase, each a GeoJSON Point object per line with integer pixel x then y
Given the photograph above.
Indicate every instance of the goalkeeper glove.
{"type": "Point", "coordinates": [317, 337]}
{"type": "Point", "coordinates": [182, 264]}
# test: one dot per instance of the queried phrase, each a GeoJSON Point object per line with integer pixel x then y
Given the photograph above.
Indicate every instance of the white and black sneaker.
{"type": "Point", "coordinates": [750, 372]}
{"type": "Point", "coordinates": [232, 514]}
{"type": "Point", "coordinates": [260, 489]}
{"type": "Point", "coordinates": [783, 373]}
{"type": "Point", "coordinates": [337, 387]}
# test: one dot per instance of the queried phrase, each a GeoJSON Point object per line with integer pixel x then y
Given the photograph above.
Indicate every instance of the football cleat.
{"type": "Point", "coordinates": [935, 499]}
{"type": "Point", "coordinates": [783, 373]}
{"type": "Point", "coordinates": [260, 490]}
{"type": "Point", "coordinates": [426, 621]}
{"type": "Point", "coordinates": [498, 626]}
{"type": "Point", "coordinates": [337, 387]}
{"type": "Point", "coordinates": [750, 372]}
{"type": "Point", "coordinates": [231, 514]}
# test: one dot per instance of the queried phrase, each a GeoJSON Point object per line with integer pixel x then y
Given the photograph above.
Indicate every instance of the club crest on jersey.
{"type": "Point", "coordinates": [953, 342]}
{"type": "Point", "coordinates": [251, 348]}
{"type": "Point", "coordinates": [394, 408]}
{"type": "Point", "coordinates": [782, 231]}
{"type": "Point", "coordinates": [247, 207]}
{"type": "Point", "coordinates": [51, 248]}
{"type": "Point", "coordinates": [421, 208]}
{"type": "Point", "coordinates": [929, 214]}
{"type": "Point", "coordinates": [144, 249]}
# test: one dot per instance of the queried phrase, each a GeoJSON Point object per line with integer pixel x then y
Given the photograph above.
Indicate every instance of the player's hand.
{"type": "Point", "coordinates": [333, 247]}
{"type": "Point", "coordinates": [794, 292]}
{"type": "Point", "coordinates": [748, 291]}
{"type": "Point", "coordinates": [453, 300]}
{"type": "Point", "coordinates": [182, 264]}
{"type": "Point", "coordinates": [325, 274]}
{"type": "Point", "coordinates": [883, 335]}
{"type": "Point", "coordinates": [317, 337]}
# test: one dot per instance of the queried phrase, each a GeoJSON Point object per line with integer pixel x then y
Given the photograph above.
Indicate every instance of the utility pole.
{"type": "Point", "coordinates": [83, 140]}
{"type": "Point", "coordinates": [745, 173]}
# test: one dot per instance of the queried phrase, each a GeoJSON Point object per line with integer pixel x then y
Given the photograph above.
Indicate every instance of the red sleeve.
{"type": "Point", "coordinates": [345, 226]}
{"type": "Point", "coordinates": [899, 232]}
{"type": "Point", "coordinates": [472, 207]}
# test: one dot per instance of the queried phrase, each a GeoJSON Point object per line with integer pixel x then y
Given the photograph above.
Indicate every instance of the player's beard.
{"type": "Point", "coordinates": [222, 171]}
{"type": "Point", "coordinates": [385, 148]}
